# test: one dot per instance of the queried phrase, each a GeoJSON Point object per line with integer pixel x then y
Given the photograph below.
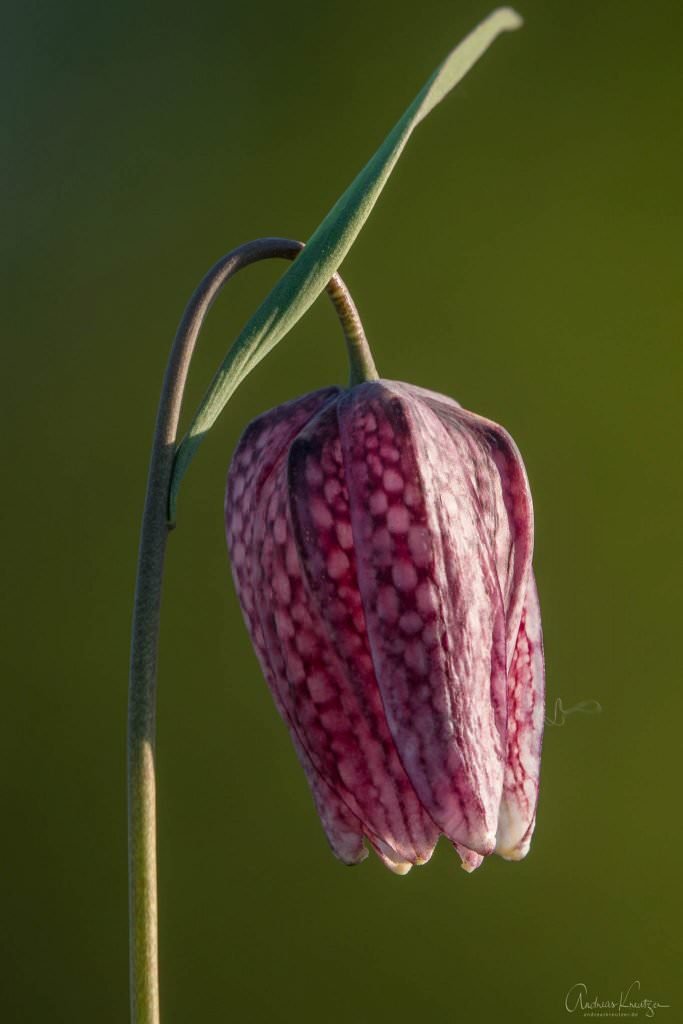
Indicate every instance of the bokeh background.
{"type": "Point", "coordinates": [526, 258]}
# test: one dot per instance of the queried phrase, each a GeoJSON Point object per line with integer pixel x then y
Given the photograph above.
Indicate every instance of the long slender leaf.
{"type": "Point", "coordinates": [307, 277]}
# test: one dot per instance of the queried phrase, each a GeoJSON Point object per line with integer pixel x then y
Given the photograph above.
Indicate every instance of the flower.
{"type": "Point", "coordinates": [381, 541]}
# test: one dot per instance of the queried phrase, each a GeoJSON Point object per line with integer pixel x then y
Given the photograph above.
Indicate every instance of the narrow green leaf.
{"type": "Point", "coordinates": [307, 277]}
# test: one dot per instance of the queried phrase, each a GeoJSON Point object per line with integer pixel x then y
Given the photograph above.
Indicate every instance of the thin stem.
{"type": "Point", "coordinates": [361, 362]}
{"type": "Point", "coordinates": [144, 967]}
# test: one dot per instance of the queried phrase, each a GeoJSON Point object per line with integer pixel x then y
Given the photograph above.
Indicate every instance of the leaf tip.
{"type": "Point", "coordinates": [508, 18]}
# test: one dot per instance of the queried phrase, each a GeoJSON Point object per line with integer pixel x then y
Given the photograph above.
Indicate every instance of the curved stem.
{"type": "Point", "coordinates": [361, 363]}
{"type": "Point", "coordinates": [144, 984]}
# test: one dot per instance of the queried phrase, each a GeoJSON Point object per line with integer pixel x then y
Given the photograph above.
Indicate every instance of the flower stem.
{"type": "Point", "coordinates": [144, 966]}
{"type": "Point", "coordinates": [361, 363]}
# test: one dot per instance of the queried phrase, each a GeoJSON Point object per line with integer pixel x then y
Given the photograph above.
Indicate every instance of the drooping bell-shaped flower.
{"type": "Point", "coordinates": [381, 541]}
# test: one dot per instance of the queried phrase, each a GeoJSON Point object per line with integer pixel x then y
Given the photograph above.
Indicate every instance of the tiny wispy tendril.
{"type": "Point", "coordinates": [584, 707]}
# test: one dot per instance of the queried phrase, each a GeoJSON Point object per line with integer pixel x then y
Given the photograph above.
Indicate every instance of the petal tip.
{"type": "Point", "coordinates": [353, 861]}
{"type": "Point", "coordinates": [399, 869]}
{"type": "Point", "coordinates": [514, 853]}
{"type": "Point", "coordinates": [470, 860]}
{"type": "Point", "coordinates": [390, 858]}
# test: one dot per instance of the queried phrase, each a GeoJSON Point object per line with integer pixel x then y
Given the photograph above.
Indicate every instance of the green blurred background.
{"type": "Point", "coordinates": [526, 258]}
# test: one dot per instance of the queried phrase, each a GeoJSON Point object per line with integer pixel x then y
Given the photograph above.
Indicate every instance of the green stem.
{"type": "Point", "coordinates": [144, 964]}
{"type": "Point", "coordinates": [361, 363]}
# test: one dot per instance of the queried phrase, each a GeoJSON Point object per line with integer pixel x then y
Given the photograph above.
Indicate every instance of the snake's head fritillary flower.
{"type": "Point", "coordinates": [381, 542]}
